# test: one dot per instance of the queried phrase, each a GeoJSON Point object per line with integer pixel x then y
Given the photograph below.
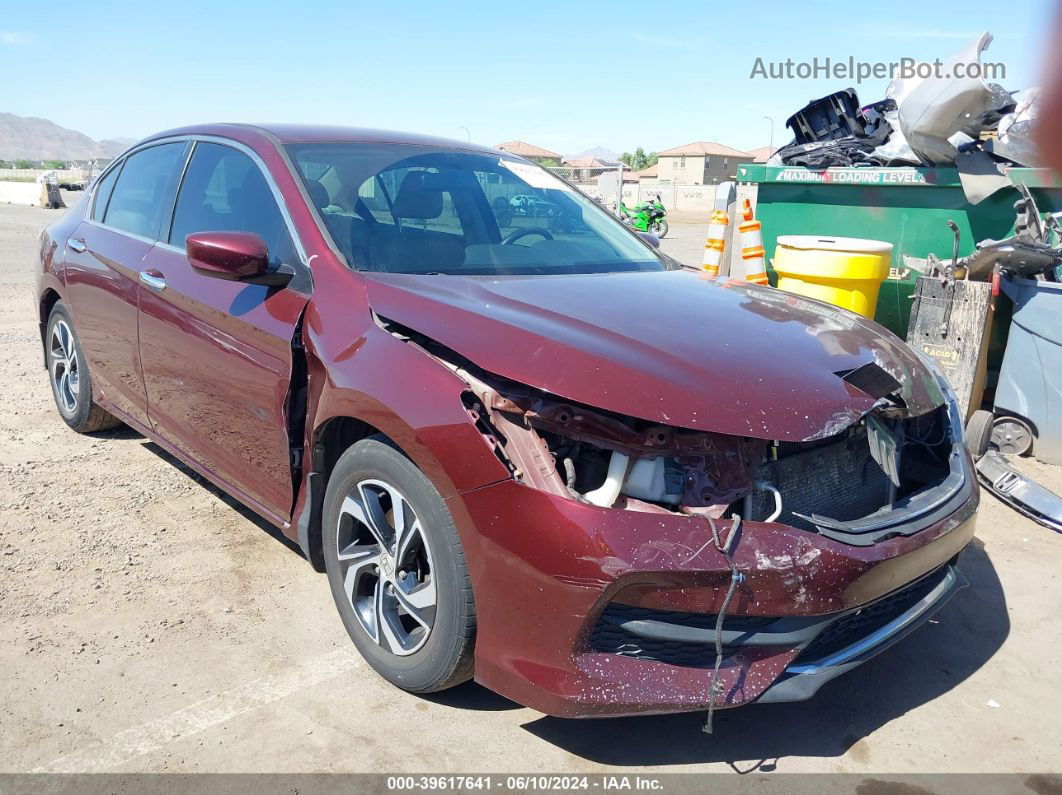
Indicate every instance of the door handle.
{"type": "Point", "coordinates": [76, 245]}
{"type": "Point", "coordinates": [153, 281]}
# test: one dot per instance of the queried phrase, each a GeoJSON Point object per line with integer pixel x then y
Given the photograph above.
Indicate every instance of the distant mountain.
{"type": "Point", "coordinates": [25, 137]}
{"type": "Point", "coordinates": [116, 145]}
{"type": "Point", "coordinates": [600, 152]}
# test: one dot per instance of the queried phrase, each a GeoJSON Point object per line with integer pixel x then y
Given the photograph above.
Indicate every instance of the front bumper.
{"type": "Point", "coordinates": [546, 571]}
{"type": "Point", "coordinates": [802, 679]}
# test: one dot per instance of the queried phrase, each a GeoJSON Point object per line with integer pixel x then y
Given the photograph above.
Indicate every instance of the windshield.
{"type": "Point", "coordinates": [417, 209]}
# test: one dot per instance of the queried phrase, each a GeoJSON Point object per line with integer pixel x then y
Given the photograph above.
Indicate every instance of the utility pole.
{"type": "Point", "coordinates": [770, 145]}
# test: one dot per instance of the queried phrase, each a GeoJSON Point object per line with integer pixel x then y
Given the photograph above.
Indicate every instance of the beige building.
{"type": "Point", "coordinates": [647, 176]}
{"type": "Point", "coordinates": [761, 153]}
{"type": "Point", "coordinates": [700, 163]}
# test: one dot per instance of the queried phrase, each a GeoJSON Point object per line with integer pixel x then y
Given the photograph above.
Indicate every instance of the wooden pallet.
{"type": "Point", "coordinates": [951, 323]}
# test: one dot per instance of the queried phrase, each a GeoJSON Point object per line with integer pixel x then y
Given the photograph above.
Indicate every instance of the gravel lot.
{"type": "Point", "coordinates": [149, 623]}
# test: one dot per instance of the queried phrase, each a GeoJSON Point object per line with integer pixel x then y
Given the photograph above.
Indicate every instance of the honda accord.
{"type": "Point", "coordinates": [558, 462]}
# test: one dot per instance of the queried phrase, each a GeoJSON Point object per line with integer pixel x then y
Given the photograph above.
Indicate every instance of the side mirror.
{"type": "Point", "coordinates": [649, 238]}
{"type": "Point", "coordinates": [234, 256]}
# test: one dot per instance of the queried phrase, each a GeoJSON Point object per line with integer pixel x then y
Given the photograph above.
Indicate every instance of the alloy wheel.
{"type": "Point", "coordinates": [386, 566]}
{"type": "Point", "coordinates": [1011, 436]}
{"type": "Point", "coordinates": [63, 366]}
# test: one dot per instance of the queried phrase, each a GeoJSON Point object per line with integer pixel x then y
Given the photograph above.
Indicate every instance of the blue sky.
{"type": "Point", "coordinates": [564, 75]}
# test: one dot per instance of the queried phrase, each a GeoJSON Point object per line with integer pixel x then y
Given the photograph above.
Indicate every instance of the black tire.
{"type": "Point", "coordinates": [660, 228]}
{"type": "Point", "coordinates": [446, 657]}
{"type": "Point", "coordinates": [979, 432]}
{"type": "Point", "coordinates": [77, 406]}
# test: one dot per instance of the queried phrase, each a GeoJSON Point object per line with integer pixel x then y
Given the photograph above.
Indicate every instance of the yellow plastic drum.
{"type": "Point", "coordinates": [844, 271]}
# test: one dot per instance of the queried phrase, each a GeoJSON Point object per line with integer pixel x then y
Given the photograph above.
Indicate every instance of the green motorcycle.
{"type": "Point", "coordinates": [646, 217]}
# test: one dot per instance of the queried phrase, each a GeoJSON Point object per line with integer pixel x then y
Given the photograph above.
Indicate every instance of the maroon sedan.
{"type": "Point", "coordinates": [533, 451]}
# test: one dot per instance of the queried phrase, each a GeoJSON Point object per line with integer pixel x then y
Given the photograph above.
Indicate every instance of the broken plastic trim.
{"type": "Point", "coordinates": [535, 432]}
{"type": "Point", "coordinates": [1020, 492]}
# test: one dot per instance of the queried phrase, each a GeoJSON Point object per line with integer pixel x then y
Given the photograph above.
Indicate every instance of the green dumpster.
{"type": "Point", "coordinates": [908, 207]}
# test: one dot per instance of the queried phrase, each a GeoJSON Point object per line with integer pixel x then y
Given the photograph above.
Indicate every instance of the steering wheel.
{"type": "Point", "coordinates": [524, 231]}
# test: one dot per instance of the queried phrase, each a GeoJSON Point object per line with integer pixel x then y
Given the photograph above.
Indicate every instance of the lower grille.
{"type": "Point", "coordinates": [856, 625]}
{"type": "Point", "coordinates": [837, 633]}
{"type": "Point", "coordinates": [613, 639]}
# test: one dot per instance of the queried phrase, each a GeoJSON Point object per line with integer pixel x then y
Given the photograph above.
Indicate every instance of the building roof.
{"type": "Point", "coordinates": [635, 176]}
{"type": "Point", "coordinates": [589, 162]}
{"type": "Point", "coordinates": [762, 153]}
{"type": "Point", "coordinates": [704, 148]}
{"type": "Point", "coordinates": [524, 149]}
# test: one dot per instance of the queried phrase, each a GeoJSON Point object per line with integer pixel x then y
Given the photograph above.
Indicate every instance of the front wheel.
{"type": "Point", "coordinates": [397, 570]}
{"type": "Point", "coordinates": [659, 228]}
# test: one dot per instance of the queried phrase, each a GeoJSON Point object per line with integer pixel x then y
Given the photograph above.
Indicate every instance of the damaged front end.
{"type": "Point", "coordinates": [860, 484]}
{"type": "Point", "coordinates": [833, 548]}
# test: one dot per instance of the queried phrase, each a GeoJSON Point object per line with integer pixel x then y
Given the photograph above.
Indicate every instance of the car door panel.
{"type": "Point", "coordinates": [217, 366]}
{"type": "Point", "coordinates": [217, 354]}
{"type": "Point", "coordinates": [102, 287]}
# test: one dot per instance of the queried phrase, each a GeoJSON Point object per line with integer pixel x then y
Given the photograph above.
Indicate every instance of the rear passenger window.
{"type": "Point", "coordinates": [142, 193]}
{"type": "Point", "coordinates": [103, 193]}
{"type": "Point", "coordinates": [224, 191]}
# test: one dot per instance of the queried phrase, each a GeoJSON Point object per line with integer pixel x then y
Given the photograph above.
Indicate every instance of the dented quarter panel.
{"type": "Point", "coordinates": [672, 347]}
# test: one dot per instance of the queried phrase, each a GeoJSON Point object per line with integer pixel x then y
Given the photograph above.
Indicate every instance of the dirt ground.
{"type": "Point", "coordinates": [148, 623]}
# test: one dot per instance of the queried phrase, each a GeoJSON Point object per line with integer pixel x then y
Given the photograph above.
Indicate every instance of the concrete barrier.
{"type": "Point", "coordinates": [31, 194]}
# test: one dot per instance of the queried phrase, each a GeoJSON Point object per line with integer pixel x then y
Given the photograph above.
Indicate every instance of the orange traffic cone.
{"type": "Point", "coordinates": [752, 253]}
{"type": "Point", "coordinates": [713, 246]}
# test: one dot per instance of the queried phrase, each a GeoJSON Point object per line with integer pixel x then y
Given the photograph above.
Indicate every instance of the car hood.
{"type": "Point", "coordinates": [673, 347]}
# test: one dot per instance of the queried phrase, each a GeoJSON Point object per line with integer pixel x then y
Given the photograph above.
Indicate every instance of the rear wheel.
{"type": "Point", "coordinates": [397, 570]}
{"type": "Point", "coordinates": [69, 376]}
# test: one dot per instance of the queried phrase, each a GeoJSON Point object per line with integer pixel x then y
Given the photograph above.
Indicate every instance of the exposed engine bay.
{"type": "Point", "coordinates": [601, 458]}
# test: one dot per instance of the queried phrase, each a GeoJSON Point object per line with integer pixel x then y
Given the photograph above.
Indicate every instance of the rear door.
{"type": "Point", "coordinates": [103, 258]}
{"type": "Point", "coordinates": [217, 355]}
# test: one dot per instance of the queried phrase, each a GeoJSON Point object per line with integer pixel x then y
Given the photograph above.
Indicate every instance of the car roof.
{"type": "Point", "coordinates": [322, 133]}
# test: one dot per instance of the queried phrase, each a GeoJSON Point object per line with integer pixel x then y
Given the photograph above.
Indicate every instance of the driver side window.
{"type": "Point", "coordinates": [224, 191]}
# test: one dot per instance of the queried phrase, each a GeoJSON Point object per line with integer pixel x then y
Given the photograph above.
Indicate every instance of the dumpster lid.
{"type": "Point", "coordinates": [828, 243]}
{"type": "Point", "coordinates": [889, 176]}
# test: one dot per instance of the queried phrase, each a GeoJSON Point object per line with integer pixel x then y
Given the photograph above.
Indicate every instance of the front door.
{"type": "Point", "coordinates": [216, 354]}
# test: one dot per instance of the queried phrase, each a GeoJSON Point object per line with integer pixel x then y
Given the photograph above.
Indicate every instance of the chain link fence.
{"type": "Point", "coordinates": [600, 183]}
